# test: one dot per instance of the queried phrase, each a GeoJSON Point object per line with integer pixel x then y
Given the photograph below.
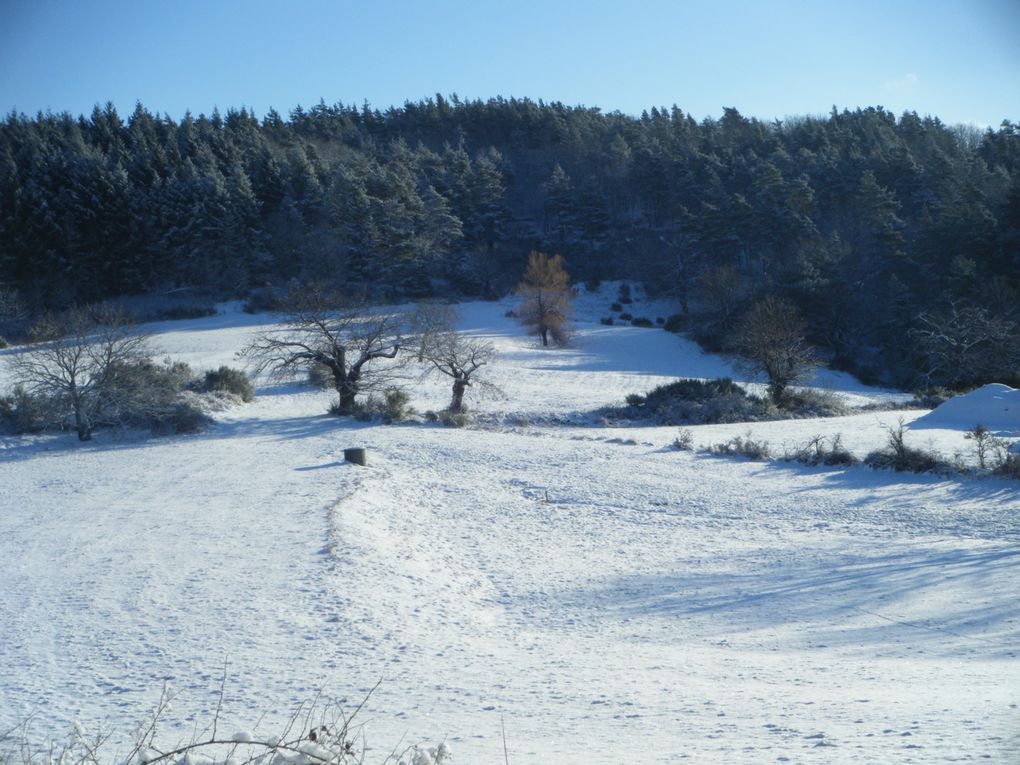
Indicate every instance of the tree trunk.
{"type": "Point", "coordinates": [457, 404]}
{"type": "Point", "coordinates": [545, 336]}
{"type": "Point", "coordinates": [347, 389]}
{"type": "Point", "coordinates": [81, 424]}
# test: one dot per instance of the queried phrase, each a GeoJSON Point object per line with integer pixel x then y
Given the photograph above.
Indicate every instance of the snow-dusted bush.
{"type": "Point", "coordinates": [697, 402]}
{"type": "Point", "coordinates": [392, 406]}
{"type": "Point", "coordinates": [24, 412]}
{"type": "Point", "coordinates": [320, 376]}
{"type": "Point", "coordinates": [742, 446]}
{"type": "Point", "coordinates": [1009, 466]}
{"type": "Point", "coordinates": [448, 418]}
{"type": "Point", "coordinates": [230, 380]}
{"type": "Point", "coordinates": [902, 458]}
{"type": "Point", "coordinates": [684, 440]}
{"type": "Point", "coordinates": [823, 451]}
{"type": "Point", "coordinates": [805, 403]}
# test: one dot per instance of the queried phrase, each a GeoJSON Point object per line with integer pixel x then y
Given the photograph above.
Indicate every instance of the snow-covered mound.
{"type": "Point", "coordinates": [995, 406]}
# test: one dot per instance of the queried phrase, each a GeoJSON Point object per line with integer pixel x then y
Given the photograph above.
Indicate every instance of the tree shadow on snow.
{"type": "Point", "coordinates": [854, 602]}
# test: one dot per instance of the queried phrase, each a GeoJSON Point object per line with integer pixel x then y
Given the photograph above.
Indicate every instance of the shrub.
{"type": "Point", "coordinates": [815, 452]}
{"type": "Point", "coordinates": [742, 446]}
{"type": "Point", "coordinates": [812, 403]}
{"type": "Point", "coordinates": [902, 458]}
{"type": "Point", "coordinates": [625, 317]}
{"type": "Point", "coordinates": [608, 321]}
{"type": "Point", "coordinates": [985, 445]}
{"type": "Point", "coordinates": [684, 440]}
{"type": "Point", "coordinates": [624, 294]}
{"type": "Point", "coordinates": [263, 300]}
{"type": "Point", "coordinates": [391, 407]}
{"type": "Point", "coordinates": [24, 412]}
{"type": "Point", "coordinates": [696, 402]}
{"type": "Point", "coordinates": [396, 405]}
{"type": "Point", "coordinates": [659, 320]}
{"type": "Point", "coordinates": [675, 323]}
{"type": "Point", "coordinates": [230, 380]}
{"type": "Point", "coordinates": [1009, 466]}
{"type": "Point", "coordinates": [186, 416]}
{"type": "Point", "coordinates": [641, 321]}
{"type": "Point", "coordinates": [147, 392]}
{"type": "Point", "coordinates": [616, 307]}
{"type": "Point", "coordinates": [3, 342]}
{"type": "Point", "coordinates": [454, 419]}
{"type": "Point", "coordinates": [320, 376]}
{"type": "Point", "coordinates": [448, 418]}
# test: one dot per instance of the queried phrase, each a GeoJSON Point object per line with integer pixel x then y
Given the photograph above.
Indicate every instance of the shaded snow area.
{"type": "Point", "coordinates": [604, 597]}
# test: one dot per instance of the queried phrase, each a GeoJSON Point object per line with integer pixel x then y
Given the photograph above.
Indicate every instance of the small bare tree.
{"type": "Point", "coordinates": [79, 363]}
{"type": "Point", "coordinates": [340, 333]}
{"type": "Point", "coordinates": [460, 358]}
{"type": "Point", "coordinates": [771, 340]}
{"type": "Point", "coordinates": [545, 294]}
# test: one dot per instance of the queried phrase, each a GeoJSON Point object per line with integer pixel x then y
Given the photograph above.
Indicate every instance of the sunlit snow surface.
{"type": "Point", "coordinates": [606, 601]}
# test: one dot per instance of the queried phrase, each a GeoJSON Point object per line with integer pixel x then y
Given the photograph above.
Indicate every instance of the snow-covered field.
{"type": "Point", "coordinates": [604, 601]}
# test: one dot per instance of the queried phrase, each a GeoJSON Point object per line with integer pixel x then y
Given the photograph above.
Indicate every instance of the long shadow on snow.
{"type": "Point", "coordinates": [108, 441]}
{"type": "Point", "coordinates": [874, 594]}
{"type": "Point", "coordinates": [904, 486]}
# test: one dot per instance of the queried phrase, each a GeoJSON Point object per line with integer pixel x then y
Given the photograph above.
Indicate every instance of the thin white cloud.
{"type": "Point", "coordinates": [908, 83]}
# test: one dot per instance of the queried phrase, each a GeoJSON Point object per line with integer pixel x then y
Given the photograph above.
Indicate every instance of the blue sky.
{"type": "Point", "coordinates": [957, 60]}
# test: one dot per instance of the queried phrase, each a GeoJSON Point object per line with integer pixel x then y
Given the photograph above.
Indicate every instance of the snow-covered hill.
{"type": "Point", "coordinates": [606, 601]}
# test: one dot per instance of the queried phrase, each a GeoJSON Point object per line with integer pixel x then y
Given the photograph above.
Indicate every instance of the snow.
{"type": "Point", "coordinates": [600, 600]}
{"type": "Point", "coordinates": [995, 406]}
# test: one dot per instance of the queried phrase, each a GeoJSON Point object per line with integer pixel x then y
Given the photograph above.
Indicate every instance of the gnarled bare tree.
{"type": "Point", "coordinates": [337, 331]}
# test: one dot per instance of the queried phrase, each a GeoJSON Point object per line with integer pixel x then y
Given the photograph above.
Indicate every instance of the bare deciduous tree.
{"type": "Point", "coordinates": [545, 298]}
{"type": "Point", "coordinates": [340, 333]}
{"type": "Point", "coordinates": [459, 358]}
{"type": "Point", "coordinates": [959, 344]}
{"type": "Point", "coordinates": [771, 340]}
{"type": "Point", "coordinates": [79, 363]}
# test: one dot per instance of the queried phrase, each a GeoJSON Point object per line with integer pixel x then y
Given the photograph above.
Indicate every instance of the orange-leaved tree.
{"type": "Point", "coordinates": [545, 294]}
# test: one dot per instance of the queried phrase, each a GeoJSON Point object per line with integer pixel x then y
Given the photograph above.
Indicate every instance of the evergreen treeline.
{"type": "Point", "coordinates": [876, 228]}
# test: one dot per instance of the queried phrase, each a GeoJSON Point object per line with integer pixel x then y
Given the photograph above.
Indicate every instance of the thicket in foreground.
{"type": "Point", "coordinates": [317, 733]}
